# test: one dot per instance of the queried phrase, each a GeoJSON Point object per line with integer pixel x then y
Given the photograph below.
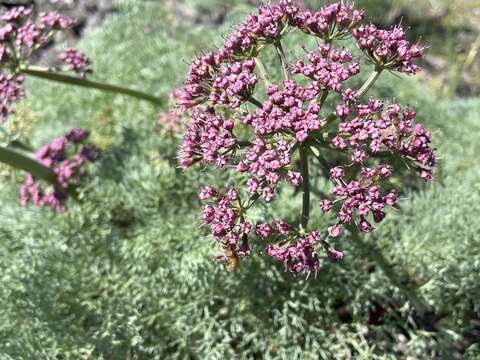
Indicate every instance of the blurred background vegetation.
{"type": "Point", "coordinates": [127, 273]}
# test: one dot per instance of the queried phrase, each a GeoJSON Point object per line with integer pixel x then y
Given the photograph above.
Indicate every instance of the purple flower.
{"type": "Point", "coordinates": [77, 135]}
{"type": "Point", "coordinates": [328, 68]}
{"type": "Point", "coordinates": [295, 178]}
{"type": "Point", "coordinates": [365, 226]}
{"type": "Point", "coordinates": [252, 185]}
{"type": "Point", "coordinates": [69, 170]}
{"type": "Point", "coordinates": [335, 255]}
{"type": "Point", "coordinates": [11, 90]}
{"type": "Point", "coordinates": [385, 171]}
{"type": "Point", "coordinates": [300, 257]}
{"type": "Point", "coordinates": [76, 61]}
{"type": "Point", "coordinates": [17, 14]}
{"type": "Point", "coordinates": [264, 230]}
{"type": "Point", "coordinates": [257, 131]}
{"type": "Point", "coordinates": [337, 173]}
{"type": "Point", "coordinates": [335, 231]}
{"type": "Point", "coordinates": [20, 37]}
{"type": "Point", "coordinates": [30, 35]}
{"type": "Point", "coordinates": [388, 48]}
{"type": "Point", "coordinates": [55, 21]}
{"type": "Point", "coordinates": [282, 227]}
{"type": "Point", "coordinates": [207, 192]}
{"type": "Point", "coordinates": [325, 205]}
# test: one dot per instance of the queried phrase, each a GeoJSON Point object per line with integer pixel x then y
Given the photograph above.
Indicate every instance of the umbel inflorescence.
{"type": "Point", "coordinates": [271, 141]}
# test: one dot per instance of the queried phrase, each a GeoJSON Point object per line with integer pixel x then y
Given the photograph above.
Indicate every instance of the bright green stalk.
{"type": "Point", "coordinates": [47, 74]}
{"type": "Point", "coordinates": [370, 81]}
{"type": "Point", "coordinates": [263, 71]}
{"type": "Point", "coordinates": [20, 161]}
{"type": "Point", "coordinates": [283, 59]}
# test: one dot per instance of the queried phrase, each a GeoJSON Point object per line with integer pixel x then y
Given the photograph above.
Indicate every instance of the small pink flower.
{"type": "Point", "coordinates": [325, 205]}
{"type": "Point", "coordinates": [335, 231]}
{"type": "Point", "coordinates": [335, 255]}
{"type": "Point", "coordinates": [337, 173]}
{"type": "Point", "coordinates": [207, 192]}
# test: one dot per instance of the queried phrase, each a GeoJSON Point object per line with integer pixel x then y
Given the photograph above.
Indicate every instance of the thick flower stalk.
{"type": "Point", "coordinates": [68, 157]}
{"type": "Point", "coordinates": [273, 141]}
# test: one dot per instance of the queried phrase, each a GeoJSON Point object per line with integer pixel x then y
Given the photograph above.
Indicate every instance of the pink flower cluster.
{"type": "Point", "coordinates": [329, 68]}
{"type": "Point", "coordinates": [55, 21]}
{"type": "Point", "coordinates": [207, 72]}
{"type": "Point", "coordinates": [209, 139]}
{"type": "Point", "coordinates": [234, 83]}
{"type": "Point", "coordinates": [20, 36]}
{"type": "Point", "coordinates": [388, 48]}
{"type": "Point", "coordinates": [68, 169]}
{"type": "Point", "coordinates": [291, 109]}
{"type": "Point", "coordinates": [302, 255]}
{"type": "Point", "coordinates": [359, 198]}
{"type": "Point", "coordinates": [334, 20]}
{"type": "Point", "coordinates": [263, 27]}
{"type": "Point", "coordinates": [76, 60]}
{"type": "Point", "coordinates": [11, 90]}
{"type": "Point", "coordinates": [232, 129]}
{"type": "Point", "coordinates": [266, 163]}
{"type": "Point", "coordinates": [299, 257]}
{"type": "Point", "coordinates": [225, 220]}
{"type": "Point", "coordinates": [374, 130]}
{"type": "Point", "coordinates": [20, 33]}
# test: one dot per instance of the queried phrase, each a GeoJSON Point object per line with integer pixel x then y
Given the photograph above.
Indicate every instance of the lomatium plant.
{"type": "Point", "coordinates": [273, 142]}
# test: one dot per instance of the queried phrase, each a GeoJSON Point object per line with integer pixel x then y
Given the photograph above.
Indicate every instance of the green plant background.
{"type": "Point", "coordinates": [127, 272]}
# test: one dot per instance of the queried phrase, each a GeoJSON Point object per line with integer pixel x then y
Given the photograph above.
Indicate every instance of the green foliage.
{"type": "Point", "coordinates": [127, 273]}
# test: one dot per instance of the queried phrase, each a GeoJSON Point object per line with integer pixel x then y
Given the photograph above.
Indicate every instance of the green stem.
{"type": "Point", "coordinates": [255, 102]}
{"type": "Point", "coordinates": [21, 146]}
{"type": "Point", "coordinates": [306, 187]}
{"type": "Point", "coordinates": [283, 59]}
{"type": "Point", "coordinates": [370, 81]}
{"type": "Point", "coordinates": [45, 73]}
{"type": "Point", "coordinates": [323, 98]}
{"type": "Point", "coordinates": [263, 71]}
{"type": "Point", "coordinates": [18, 160]}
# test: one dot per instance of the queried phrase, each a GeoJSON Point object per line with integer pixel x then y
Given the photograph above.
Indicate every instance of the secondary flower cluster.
{"type": "Point", "coordinates": [76, 61]}
{"type": "Point", "coordinates": [11, 91]}
{"type": "Point", "coordinates": [225, 219]}
{"type": "Point", "coordinates": [299, 257]}
{"type": "Point", "coordinates": [332, 21]}
{"type": "Point", "coordinates": [359, 198]}
{"type": "Point", "coordinates": [208, 139]}
{"type": "Point", "coordinates": [231, 129]}
{"type": "Point", "coordinates": [329, 68]}
{"type": "Point", "coordinates": [373, 131]}
{"type": "Point", "coordinates": [20, 36]}
{"type": "Point", "coordinates": [388, 48]}
{"type": "Point", "coordinates": [68, 157]}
